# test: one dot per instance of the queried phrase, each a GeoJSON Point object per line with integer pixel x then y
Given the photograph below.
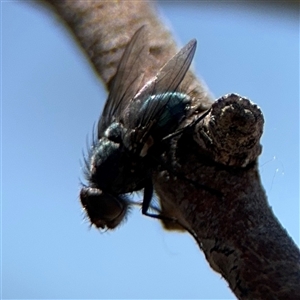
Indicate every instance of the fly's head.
{"type": "Point", "coordinates": [104, 211]}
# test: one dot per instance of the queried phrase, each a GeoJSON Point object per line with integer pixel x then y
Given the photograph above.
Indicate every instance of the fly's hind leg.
{"type": "Point", "coordinates": [146, 204]}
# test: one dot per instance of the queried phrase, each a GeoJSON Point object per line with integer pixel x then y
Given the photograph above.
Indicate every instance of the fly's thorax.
{"type": "Point", "coordinates": [116, 169]}
{"type": "Point", "coordinates": [106, 157]}
{"type": "Point", "coordinates": [103, 210]}
{"type": "Point", "coordinates": [104, 161]}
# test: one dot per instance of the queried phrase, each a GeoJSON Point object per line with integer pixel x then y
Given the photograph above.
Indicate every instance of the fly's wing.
{"type": "Point", "coordinates": [126, 82]}
{"type": "Point", "coordinates": [167, 80]}
{"type": "Point", "coordinates": [172, 73]}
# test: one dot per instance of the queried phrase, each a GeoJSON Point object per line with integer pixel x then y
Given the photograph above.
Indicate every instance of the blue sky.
{"type": "Point", "coordinates": [50, 100]}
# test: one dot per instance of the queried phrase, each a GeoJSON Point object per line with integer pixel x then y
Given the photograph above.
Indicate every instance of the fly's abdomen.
{"type": "Point", "coordinates": [172, 110]}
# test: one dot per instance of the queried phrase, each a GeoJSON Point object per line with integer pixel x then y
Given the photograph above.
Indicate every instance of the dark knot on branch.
{"type": "Point", "coordinates": [231, 131]}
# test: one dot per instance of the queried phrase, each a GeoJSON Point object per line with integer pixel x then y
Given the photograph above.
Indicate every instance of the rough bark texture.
{"type": "Point", "coordinates": [210, 180]}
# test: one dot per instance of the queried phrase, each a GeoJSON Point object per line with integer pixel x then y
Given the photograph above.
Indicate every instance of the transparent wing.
{"type": "Point", "coordinates": [172, 73]}
{"type": "Point", "coordinates": [143, 113]}
{"type": "Point", "coordinates": [126, 82]}
{"type": "Point", "coordinates": [167, 81]}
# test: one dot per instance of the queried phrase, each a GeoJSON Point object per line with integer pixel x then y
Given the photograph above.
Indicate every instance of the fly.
{"type": "Point", "coordinates": [133, 124]}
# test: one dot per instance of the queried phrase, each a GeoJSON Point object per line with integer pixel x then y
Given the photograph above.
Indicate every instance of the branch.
{"type": "Point", "coordinates": [218, 194]}
{"type": "Point", "coordinates": [209, 180]}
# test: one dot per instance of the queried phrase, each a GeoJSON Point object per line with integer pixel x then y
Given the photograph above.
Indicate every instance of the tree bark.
{"type": "Point", "coordinates": [209, 180]}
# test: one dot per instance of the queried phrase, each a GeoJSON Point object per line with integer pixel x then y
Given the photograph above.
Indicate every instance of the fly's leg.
{"type": "Point", "coordinates": [148, 194]}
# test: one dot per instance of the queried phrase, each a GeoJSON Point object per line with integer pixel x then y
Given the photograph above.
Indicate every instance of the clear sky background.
{"type": "Point", "coordinates": [50, 100]}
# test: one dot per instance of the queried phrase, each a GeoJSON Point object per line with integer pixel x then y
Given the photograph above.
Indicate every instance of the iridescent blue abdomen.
{"type": "Point", "coordinates": [174, 106]}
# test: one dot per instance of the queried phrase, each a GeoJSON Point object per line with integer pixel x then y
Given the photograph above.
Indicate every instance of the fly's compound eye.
{"type": "Point", "coordinates": [103, 209]}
